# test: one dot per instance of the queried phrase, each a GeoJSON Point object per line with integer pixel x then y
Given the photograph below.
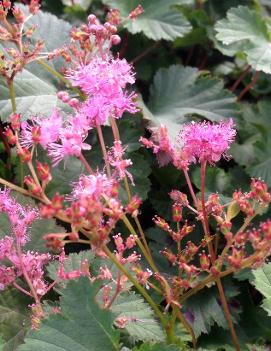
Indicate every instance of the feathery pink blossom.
{"type": "Point", "coordinates": [20, 262]}
{"type": "Point", "coordinates": [20, 217]}
{"type": "Point", "coordinates": [104, 81]}
{"type": "Point", "coordinates": [71, 144]}
{"type": "Point", "coordinates": [116, 160]}
{"type": "Point", "coordinates": [41, 131]}
{"type": "Point", "coordinates": [161, 144]}
{"type": "Point", "coordinates": [103, 76]}
{"type": "Point", "coordinates": [206, 141]}
{"type": "Point", "coordinates": [94, 186]}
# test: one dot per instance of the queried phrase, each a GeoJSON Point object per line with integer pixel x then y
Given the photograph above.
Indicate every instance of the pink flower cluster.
{"type": "Point", "coordinates": [104, 81]}
{"type": "Point", "coordinates": [61, 139]}
{"type": "Point", "coordinates": [205, 141]}
{"type": "Point", "coordinates": [202, 142]}
{"type": "Point", "coordinates": [19, 263]}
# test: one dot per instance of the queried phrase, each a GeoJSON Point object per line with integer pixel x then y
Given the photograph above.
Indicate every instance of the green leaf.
{"type": "Point", "coordinates": [261, 168]}
{"type": "Point", "coordinates": [178, 92]}
{"type": "Point", "coordinates": [82, 3]}
{"type": "Point", "coordinates": [206, 311]}
{"type": "Point", "coordinates": [141, 180]}
{"type": "Point", "coordinates": [81, 326]}
{"type": "Point", "coordinates": [14, 318]}
{"type": "Point", "coordinates": [158, 21]}
{"type": "Point", "coordinates": [142, 324]}
{"type": "Point", "coordinates": [72, 262]}
{"type": "Point", "coordinates": [248, 30]}
{"type": "Point", "coordinates": [262, 282]}
{"type": "Point", "coordinates": [254, 150]}
{"type": "Point", "coordinates": [157, 347]}
{"type": "Point", "coordinates": [35, 87]}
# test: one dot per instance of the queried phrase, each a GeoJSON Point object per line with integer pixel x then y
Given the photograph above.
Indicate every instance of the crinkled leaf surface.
{"type": "Point", "coordinates": [262, 282]}
{"type": "Point", "coordinates": [82, 325]}
{"type": "Point", "coordinates": [159, 20]}
{"type": "Point", "coordinates": [178, 92]}
{"type": "Point", "coordinates": [142, 324]}
{"type": "Point", "coordinates": [254, 153]}
{"type": "Point", "coordinates": [205, 309]}
{"type": "Point", "coordinates": [157, 347]}
{"type": "Point", "coordinates": [72, 262]}
{"type": "Point", "coordinates": [14, 318]}
{"type": "Point", "coordinates": [250, 32]}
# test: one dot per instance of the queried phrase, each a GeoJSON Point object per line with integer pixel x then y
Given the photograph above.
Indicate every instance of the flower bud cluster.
{"type": "Point", "coordinates": [13, 31]}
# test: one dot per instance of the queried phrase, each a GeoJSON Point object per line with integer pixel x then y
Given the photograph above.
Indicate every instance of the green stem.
{"type": "Point", "coordinates": [187, 327]}
{"type": "Point", "coordinates": [12, 94]}
{"type": "Point", "coordinates": [139, 243]}
{"type": "Point", "coordinates": [116, 135]}
{"type": "Point", "coordinates": [141, 290]}
{"type": "Point", "coordinates": [14, 109]}
{"type": "Point", "coordinates": [103, 147]}
{"type": "Point", "coordinates": [60, 77]}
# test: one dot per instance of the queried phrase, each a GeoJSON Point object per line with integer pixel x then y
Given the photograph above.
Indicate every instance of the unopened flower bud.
{"type": "Point", "coordinates": [161, 223]}
{"type": "Point", "coordinates": [176, 213]}
{"type": "Point", "coordinates": [43, 172]}
{"type": "Point", "coordinates": [24, 155]}
{"type": "Point", "coordinates": [11, 137]}
{"type": "Point", "coordinates": [204, 261]}
{"type": "Point", "coordinates": [136, 12]}
{"type": "Point", "coordinates": [33, 188]}
{"type": "Point", "coordinates": [130, 242]}
{"type": "Point", "coordinates": [115, 39]}
{"type": "Point", "coordinates": [15, 120]}
{"type": "Point", "coordinates": [18, 14]}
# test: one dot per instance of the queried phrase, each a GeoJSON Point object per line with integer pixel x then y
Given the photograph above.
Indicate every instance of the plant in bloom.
{"type": "Point", "coordinates": [101, 208]}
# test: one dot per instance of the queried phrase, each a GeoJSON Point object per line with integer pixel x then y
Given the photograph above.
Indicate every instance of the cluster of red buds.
{"type": "Point", "coordinates": [257, 196]}
{"type": "Point", "coordinates": [245, 248]}
{"type": "Point", "coordinates": [15, 32]}
{"type": "Point", "coordinates": [93, 35]}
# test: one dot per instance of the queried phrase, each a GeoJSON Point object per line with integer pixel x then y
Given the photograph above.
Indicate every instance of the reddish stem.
{"type": "Point", "coordinates": [190, 186]}
{"type": "Point", "coordinates": [204, 213]}
{"type": "Point", "coordinates": [205, 225]}
{"type": "Point", "coordinates": [86, 164]}
{"type": "Point", "coordinates": [145, 53]}
{"type": "Point", "coordinates": [239, 80]}
{"type": "Point", "coordinates": [249, 86]}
